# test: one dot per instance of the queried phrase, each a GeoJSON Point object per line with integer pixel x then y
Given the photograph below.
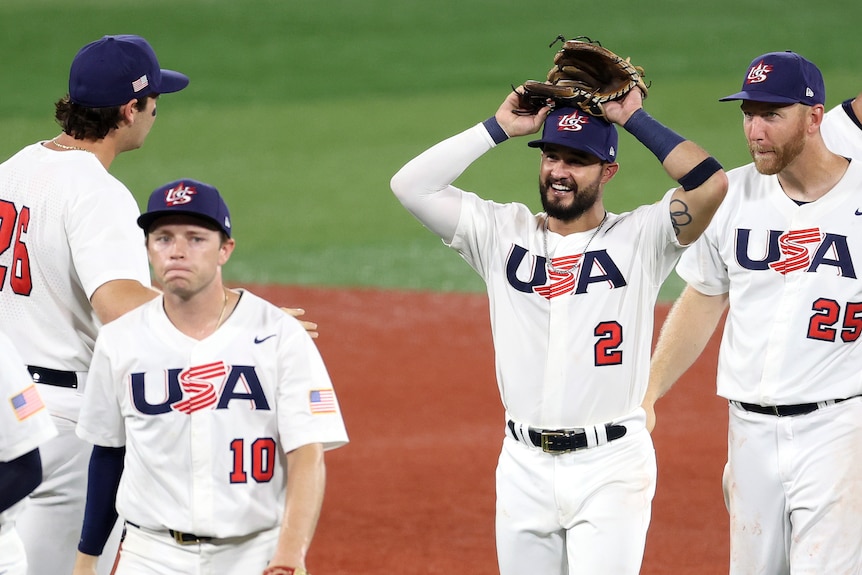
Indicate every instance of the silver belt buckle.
{"type": "Point", "coordinates": [546, 435]}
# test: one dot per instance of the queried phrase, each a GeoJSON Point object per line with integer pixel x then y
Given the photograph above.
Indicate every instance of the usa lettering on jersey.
{"type": "Point", "coordinates": [193, 389]}
{"type": "Point", "coordinates": [586, 269]}
{"type": "Point", "coordinates": [796, 250]}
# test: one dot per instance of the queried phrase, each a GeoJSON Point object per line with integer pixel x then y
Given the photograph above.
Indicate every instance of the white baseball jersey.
{"type": "Point", "coordinates": [842, 131]}
{"type": "Point", "coordinates": [69, 227]}
{"type": "Point", "coordinates": [24, 422]}
{"type": "Point", "coordinates": [792, 274]}
{"type": "Point", "coordinates": [206, 423]}
{"type": "Point", "coordinates": [571, 349]}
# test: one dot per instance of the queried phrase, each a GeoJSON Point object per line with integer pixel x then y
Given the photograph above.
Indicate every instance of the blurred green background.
{"type": "Point", "coordinates": [300, 111]}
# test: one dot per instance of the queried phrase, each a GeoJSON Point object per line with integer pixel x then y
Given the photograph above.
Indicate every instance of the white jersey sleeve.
{"type": "Point", "coordinates": [792, 277]}
{"type": "Point", "coordinates": [842, 131]}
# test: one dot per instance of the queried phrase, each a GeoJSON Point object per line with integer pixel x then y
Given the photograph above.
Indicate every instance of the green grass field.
{"type": "Point", "coordinates": [301, 111]}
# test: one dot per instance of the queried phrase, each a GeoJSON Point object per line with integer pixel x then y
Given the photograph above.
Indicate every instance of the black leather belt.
{"type": "Point", "coordinates": [181, 538]}
{"type": "Point", "coordinates": [565, 440]}
{"type": "Point", "coordinates": [68, 379]}
{"type": "Point", "coordinates": [786, 410]}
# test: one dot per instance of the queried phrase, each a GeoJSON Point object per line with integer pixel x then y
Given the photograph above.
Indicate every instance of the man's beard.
{"type": "Point", "coordinates": [583, 198]}
{"type": "Point", "coordinates": [781, 156]}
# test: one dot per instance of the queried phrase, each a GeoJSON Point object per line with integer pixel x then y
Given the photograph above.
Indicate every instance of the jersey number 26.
{"type": "Point", "coordinates": [12, 225]}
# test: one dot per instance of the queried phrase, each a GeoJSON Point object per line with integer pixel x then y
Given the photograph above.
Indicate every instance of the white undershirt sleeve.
{"type": "Point", "coordinates": [423, 185]}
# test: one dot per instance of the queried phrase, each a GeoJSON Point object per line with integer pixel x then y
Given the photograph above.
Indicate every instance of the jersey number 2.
{"type": "Point", "coordinates": [610, 334]}
{"type": "Point", "coordinates": [13, 224]}
{"type": "Point", "coordinates": [262, 460]}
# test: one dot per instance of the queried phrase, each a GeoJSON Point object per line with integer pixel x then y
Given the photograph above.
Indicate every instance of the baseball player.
{"type": "Point", "coordinates": [571, 291]}
{"type": "Point", "coordinates": [784, 252]}
{"type": "Point", "coordinates": [72, 260]}
{"type": "Point", "coordinates": [24, 426]}
{"type": "Point", "coordinates": [207, 401]}
{"type": "Point", "coordinates": [842, 128]}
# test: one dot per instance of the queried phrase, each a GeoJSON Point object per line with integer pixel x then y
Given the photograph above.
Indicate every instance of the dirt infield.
{"type": "Point", "coordinates": [413, 493]}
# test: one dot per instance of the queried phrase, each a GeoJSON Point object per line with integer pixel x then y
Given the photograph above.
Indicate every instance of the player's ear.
{"type": "Point", "coordinates": [225, 250]}
{"type": "Point", "coordinates": [127, 112]}
{"type": "Point", "coordinates": [609, 170]}
{"type": "Point", "coordinates": [815, 116]}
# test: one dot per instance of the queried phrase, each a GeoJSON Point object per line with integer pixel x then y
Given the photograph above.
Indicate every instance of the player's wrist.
{"type": "Point", "coordinates": [655, 136]}
{"type": "Point", "coordinates": [495, 130]}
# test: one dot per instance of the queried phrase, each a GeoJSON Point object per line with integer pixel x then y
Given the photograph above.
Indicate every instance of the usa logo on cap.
{"type": "Point", "coordinates": [572, 122]}
{"type": "Point", "coordinates": [758, 73]}
{"type": "Point", "coordinates": [181, 194]}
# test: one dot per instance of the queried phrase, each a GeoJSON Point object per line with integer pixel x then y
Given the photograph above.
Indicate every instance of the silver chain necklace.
{"type": "Point", "coordinates": [570, 270]}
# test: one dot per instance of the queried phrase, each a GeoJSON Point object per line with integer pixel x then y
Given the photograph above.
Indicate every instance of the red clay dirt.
{"type": "Point", "coordinates": [413, 492]}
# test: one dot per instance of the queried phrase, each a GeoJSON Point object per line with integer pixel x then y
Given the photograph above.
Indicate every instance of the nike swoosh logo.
{"type": "Point", "coordinates": [858, 213]}
{"type": "Point", "coordinates": [261, 340]}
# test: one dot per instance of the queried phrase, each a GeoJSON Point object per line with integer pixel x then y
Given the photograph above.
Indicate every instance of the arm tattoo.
{"type": "Point", "coordinates": [679, 215]}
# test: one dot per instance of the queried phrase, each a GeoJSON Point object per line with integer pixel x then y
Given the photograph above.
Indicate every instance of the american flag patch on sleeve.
{"type": "Point", "coordinates": [26, 403]}
{"type": "Point", "coordinates": [322, 401]}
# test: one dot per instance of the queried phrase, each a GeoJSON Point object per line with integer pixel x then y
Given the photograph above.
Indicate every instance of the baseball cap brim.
{"type": "Point", "coordinates": [583, 147]}
{"type": "Point", "coordinates": [172, 81]}
{"type": "Point", "coordinates": [145, 221]}
{"type": "Point", "coordinates": [758, 96]}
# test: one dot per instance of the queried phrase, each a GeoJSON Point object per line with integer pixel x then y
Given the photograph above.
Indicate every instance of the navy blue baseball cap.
{"type": "Point", "coordinates": [573, 128]}
{"type": "Point", "coordinates": [187, 197]}
{"type": "Point", "coordinates": [115, 69]}
{"type": "Point", "coordinates": [782, 78]}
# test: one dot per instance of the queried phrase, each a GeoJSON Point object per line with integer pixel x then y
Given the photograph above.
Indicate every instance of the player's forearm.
{"type": "Point", "coordinates": [19, 477]}
{"type": "Point", "coordinates": [115, 298]}
{"type": "Point", "coordinates": [683, 337]}
{"type": "Point", "coordinates": [85, 564]}
{"type": "Point", "coordinates": [702, 180]}
{"type": "Point", "coordinates": [103, 480]}
{"type": "Point", "coordinates": [306, 481]}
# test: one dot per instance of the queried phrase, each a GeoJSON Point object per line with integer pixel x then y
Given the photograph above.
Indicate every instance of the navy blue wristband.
{"type": "Point", "coordinates": [498, 134]}
{"type": "Point", "coordinates": [658, 138]}
{"type": "Point", "coordinates": [699, 174]}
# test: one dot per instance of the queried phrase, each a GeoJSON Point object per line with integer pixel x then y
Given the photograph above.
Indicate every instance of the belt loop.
{"type": "Point", "coordinates": [525, 437]}
{"type": "Point", "coordinates": [519, 432]}
{"type": "Point", "coordinates": [601, 434]}
{"type": "Point", "coordinates": [592, 436]}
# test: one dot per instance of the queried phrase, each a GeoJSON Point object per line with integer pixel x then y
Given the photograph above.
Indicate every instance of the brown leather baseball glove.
{"type": "Point", "coordinates": [584, 75]}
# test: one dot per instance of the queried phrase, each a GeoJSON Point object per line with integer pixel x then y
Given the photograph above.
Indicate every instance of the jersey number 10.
{"type": "Point", "coordinates": [262, 460]}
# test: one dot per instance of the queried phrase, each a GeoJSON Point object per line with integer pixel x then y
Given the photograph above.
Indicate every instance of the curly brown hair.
{"type": "Point", "coordinates": [84, 123]}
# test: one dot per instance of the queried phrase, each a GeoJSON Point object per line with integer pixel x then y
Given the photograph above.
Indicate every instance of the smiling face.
{"type": "Point", "coordinates": [571, 181]}
{"type": "Point", "coordinates": [776, 134]}
{"type": "Point", "coordinates": [186, 254]}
